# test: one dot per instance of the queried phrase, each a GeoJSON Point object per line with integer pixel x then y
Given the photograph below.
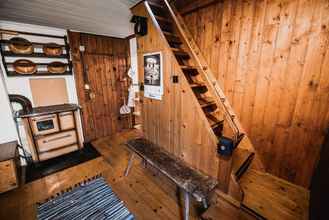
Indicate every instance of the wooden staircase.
{"type": "Point", "coordinates": [234, 170]}
{"type": "Point", "coordinates": [211, 99]}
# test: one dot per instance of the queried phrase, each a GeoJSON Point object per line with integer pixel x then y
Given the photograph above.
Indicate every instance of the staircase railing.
{"type": "Point", "coordinates": [207, 73]}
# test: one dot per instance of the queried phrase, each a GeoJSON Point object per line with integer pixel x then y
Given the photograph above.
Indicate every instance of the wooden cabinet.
{"type": "Point", "coordinates": [66, 120]}
{"type": "Point", "coordinates": [8, 166]}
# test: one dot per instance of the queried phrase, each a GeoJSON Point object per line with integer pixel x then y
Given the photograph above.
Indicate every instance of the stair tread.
{"type": "Point", "coordinates": [164, 19]}
{"type": "Point", "coordinates": [176, 49]}
{"type": "Point", "coordinates": [240, 155]}
{"type": "Point", "coordinates": [170, 34]}
{"type": "Point", "coordinates": [181, 53]}
{"type": "Point", "coordinates": [174, 40]}
{"type": "Point", "coordinates": [204, 102]}
{"type": "Point", "coordinates": [155, 4]}
{"type": "Point", "coordinates": [193, 85]}
{"type": "Point", "coordinates": [188, 67]}
{"type": "Point", "coordinates": [215, 125]}
{"type": "Point", "coordinates": [213, 120]}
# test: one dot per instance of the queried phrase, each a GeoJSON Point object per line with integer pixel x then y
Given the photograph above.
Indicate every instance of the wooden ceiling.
{"type": "Point", "coordinates": [106, 17]}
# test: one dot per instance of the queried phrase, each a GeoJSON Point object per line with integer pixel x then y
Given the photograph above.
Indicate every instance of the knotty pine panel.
{"type": "Point", "coordinates": [106, 62]}
{"type": "Point", "coordinates": [177, 122]}
{"type": "Point", "coordinates": [271, 58]}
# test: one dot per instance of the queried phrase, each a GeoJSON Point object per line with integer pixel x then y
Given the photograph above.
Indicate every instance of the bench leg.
{"type": "Point", "coordinates": [130, 163]}
{"type": "Point", "coordinates": [186, 205]}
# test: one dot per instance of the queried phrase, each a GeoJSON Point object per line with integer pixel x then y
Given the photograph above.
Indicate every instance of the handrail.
{"type": "Point", "coordinates": [228, 111]}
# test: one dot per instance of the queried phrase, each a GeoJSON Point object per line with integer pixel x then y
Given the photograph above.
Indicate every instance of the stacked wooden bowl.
{"type": "Point", "coordinates": [20, 45]}
{"type": "Point", "coordinates": [52, 49]}
{"type": "Point", "coordinates": [23, 66]}
{"type": "Point", "coordinates": [56, 67]}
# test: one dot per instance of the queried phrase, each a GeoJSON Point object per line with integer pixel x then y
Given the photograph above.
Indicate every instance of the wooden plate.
{"type": "Point", "coordinates": [23, 66]}
{"type": "Point", "coordinates": [20, 45]}
{"type": "Point", "coordinates": [57, 67]}
{"type": "Point", "coordinates": [52, 49]}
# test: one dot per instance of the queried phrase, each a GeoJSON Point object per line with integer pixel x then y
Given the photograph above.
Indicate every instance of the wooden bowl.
{"type": "Point", "coordinates": [23, 66]}
{"type": "Point", "coordinates": [57, 67]}
{"type": "Point", "coordinates": [52, 49]}
{"type": "Point", "coordinates": [20, 45]}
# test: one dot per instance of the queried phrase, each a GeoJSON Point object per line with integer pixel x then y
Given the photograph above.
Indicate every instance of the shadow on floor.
{"type": "Point", "coordinates": [38, 170]}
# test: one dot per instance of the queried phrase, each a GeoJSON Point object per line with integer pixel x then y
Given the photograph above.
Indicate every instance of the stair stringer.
{"type": "Point", "coordinates": [212, 82]}
{"type": "Point", "coordinates": [208, 137]}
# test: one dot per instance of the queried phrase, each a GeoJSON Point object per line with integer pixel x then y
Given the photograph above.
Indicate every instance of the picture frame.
{"type": "Point", "coordinates": [153, 75]}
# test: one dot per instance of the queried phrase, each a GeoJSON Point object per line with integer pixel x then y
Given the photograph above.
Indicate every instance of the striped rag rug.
{"type": "Point", "coordinates": [91, 200]}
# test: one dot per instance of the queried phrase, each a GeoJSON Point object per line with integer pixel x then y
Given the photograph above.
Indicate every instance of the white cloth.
{"type": "Point", "coordinates": [131, 96]}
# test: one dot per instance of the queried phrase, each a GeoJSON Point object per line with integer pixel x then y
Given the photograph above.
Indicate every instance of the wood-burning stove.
{"type": "Point", "coordinates": [52, 130]}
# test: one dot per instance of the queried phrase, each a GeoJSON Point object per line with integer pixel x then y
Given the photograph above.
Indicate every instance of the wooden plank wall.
{"type": "Point", "coordinates": [272, 60]}
{"type": "Point", "coordinates": [106, 60]}
{"type": "Point", "coordinates": [176, 122]}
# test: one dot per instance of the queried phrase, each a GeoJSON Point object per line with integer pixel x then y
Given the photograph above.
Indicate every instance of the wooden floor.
{"type": "Point", "coordinates": [274, 198]}
{"type": "Point", "coordinates": [147, 194]}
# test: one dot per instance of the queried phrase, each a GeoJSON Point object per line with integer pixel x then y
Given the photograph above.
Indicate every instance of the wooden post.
{"type": "Point", "coordinates": [227, 182]}
{"type": "Point", "coordinates": [224, 172]}
{"type": "Point", "coordinates": [186, 205]}
{"type": "Point", "coordinates": [130, 163]}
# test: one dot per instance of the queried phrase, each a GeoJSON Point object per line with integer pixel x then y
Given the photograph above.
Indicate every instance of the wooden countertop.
{"type": "Point", "coordinates": [8, 150]}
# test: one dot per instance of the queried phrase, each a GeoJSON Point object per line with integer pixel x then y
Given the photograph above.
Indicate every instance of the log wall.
{"type": "Point", "coordinates": [272, 60]}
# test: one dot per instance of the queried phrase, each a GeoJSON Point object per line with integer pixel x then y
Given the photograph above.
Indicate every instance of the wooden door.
{"type": "Point", "coordinates": [103, 66]}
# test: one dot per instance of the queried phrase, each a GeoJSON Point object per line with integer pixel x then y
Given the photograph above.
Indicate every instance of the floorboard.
{"type": "Point", "coordinates": [147, 194]}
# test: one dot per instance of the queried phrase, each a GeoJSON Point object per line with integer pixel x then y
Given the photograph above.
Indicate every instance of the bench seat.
{"type": "Point", "coordinates": [190, 180]}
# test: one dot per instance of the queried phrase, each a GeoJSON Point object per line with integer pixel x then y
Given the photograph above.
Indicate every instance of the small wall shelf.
{"type": "Point", "coordinates": [36, 54]}
{"type": "Point", "coordinates": [38, 73]}
{"type": "Point", "coordinates": [36, 44]}
{"type": "Point", "coordinates": [42, 55]}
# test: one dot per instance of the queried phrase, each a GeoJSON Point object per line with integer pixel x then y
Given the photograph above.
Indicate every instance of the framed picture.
{"type": "Point", "coordinates": [153, 75]}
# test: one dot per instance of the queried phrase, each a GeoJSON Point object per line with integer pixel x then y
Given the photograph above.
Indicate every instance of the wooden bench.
{"type": "Point", "coordinates": [190, 181]}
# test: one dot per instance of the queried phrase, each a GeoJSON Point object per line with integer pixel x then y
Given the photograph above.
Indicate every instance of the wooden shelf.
{"type": "Point", "coordinates": [39, 64]}
{"type": "Point", "coordinates": [7, 42]}
{"type": "Point", "coordinates": [6, 53]}
{"type": "Point", "coordinates": [39, 55]}
{"type": "Point", "coordinates": [39, 73]}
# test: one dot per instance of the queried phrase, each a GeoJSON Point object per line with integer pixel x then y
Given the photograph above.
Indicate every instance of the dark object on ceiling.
{"type": "Point", "coordinates": [19, 45]}
{"type": "Point", "coordinates": [23, 66]}
{"type": "Point", "coordinates": [22, 100]}
{"type": "Point", "coordinates": [140, 25]}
